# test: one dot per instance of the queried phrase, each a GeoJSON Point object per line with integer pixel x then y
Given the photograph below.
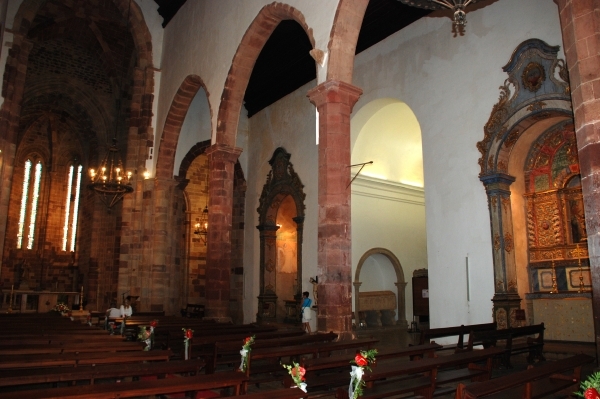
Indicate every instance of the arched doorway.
{"type": "Point", "coordinates": [281, 222]}
{"type": "Point", "coordinates": [400, 283]}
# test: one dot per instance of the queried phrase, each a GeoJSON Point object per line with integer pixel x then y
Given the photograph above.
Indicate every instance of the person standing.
{"type": "Point", "coordinates": [306, 313]}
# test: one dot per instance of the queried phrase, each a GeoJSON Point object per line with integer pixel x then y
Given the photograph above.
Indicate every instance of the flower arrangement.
{"type": "Point", "coordinates": [297, 374]}
{"type": "Point", "coordinates": [188, 334]}
{"type": "Point", "coordinates": [590, 387]}
{"type": "Point", "coordinates": [360, 362]}
{"type": "Point", "coordinates": [246, 348]}
{"type": "Point", "coordinates": [146, 334]}
{"type": "Point", "coordinates": [61, 307]}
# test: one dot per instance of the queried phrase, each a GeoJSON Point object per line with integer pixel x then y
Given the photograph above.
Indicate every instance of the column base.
{"type": "Point", "coordinates": [505, 307]}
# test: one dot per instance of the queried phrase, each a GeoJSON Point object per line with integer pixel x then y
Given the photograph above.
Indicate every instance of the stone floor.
{"type": "Point", "coordinates": [395, 337]}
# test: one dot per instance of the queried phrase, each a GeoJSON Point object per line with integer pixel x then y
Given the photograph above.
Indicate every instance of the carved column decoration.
{"type": "Point", "coordinates": [506, 298]}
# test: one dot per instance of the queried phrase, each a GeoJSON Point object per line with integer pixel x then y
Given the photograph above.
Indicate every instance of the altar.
{"type": "Point", "coordinates": [30, 301]}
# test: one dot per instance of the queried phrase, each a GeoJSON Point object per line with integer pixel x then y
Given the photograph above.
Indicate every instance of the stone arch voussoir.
{"type": "Point", "coordinates": [170, 135]}
{"type": "Point", "coordinates": [243, 61]}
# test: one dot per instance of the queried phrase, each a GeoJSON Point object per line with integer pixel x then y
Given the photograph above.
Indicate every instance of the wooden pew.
{"type": "Point", "coordinates": [30, 377]}
{"type": "Point", "coordinates": [62, 347]}
{"type": "Point", "coordinates": [327, 373]}
{"type": "Point", "coordinates": [505, 339]}
{"type": "Point", "coordinates": [424, 375]}
{"type": "Point", "coordinates": [228, 351]}
{"type": "Point", "coordinates": [535, 382]}
{"type": "Point", "coordinates": [137, 388]}
{"type": "Point", "coordinates": [430, 334]}
{"type": "Point", "coordinates": [80, 359]}
{"type": "Point", "coordinates": [271, 357]}
{"type": "Point", "coordinates": [285, 393]}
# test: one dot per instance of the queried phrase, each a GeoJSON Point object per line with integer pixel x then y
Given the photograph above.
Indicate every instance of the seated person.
{"type": "Point", "coordinates": [126, 311]}
{"type": "Point", "coordinates": [112, 314]}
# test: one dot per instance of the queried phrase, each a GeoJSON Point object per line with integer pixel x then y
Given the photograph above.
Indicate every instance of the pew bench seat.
{"type": "Point", "coordinates": [533, 383]}
{"type": "Point", "coordinates": [202, 382]}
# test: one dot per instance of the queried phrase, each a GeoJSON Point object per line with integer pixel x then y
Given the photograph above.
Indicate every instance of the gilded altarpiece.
{"type": "Point", "coordinates": [536, 89]}
{"type": "Point", "coordinates": [556, 234]}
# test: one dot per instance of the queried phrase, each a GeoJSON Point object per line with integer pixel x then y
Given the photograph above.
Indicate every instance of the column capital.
{"type": "Point", "coordinates": [223, 152]}
{"type": "Point", "coordinates": [497, 182]}
{"type": "Point", "coordinates": [334, 91]}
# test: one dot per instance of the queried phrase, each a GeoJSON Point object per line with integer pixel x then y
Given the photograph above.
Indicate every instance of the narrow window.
{"type": "Point", "coordinates": [34, 203]}
{"type": "Point", "coordinates": [70, 222]}
{"type": "Point", "coordinates": [23, 211]}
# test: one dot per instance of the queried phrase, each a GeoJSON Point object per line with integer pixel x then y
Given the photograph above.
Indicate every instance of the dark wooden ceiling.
{"type": "Point", "coordinates": [284, 63]}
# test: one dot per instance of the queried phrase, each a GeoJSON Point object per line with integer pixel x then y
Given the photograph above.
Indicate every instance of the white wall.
{"type": "Point", "coordinates": [289, 123]}
{"type": "Point", "coordinates": [451, 84]}
{"type": "Point", "coordinates": [392, 216]}
{"type": "Point", "coordinates": [195, 128]}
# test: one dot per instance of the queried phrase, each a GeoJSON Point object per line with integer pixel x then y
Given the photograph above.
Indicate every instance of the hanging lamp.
{"type": "Point", "coordinates": [457, 6]}
{"type": "Point", "coordinates": [110, 180]}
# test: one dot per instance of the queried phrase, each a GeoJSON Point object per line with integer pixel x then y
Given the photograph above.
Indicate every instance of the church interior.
{"type": "Point", "coordinates": [405, 170]}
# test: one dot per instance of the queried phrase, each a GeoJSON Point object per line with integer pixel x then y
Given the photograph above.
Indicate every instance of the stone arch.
{"type": "Point", "coordinates": [242, 64]}
{"type": "Point", "coordinates": [344, 35]}
{"type": "Point", "coordinates": [173, 123]}
{"type": "Point", "coordinates": [400, 282]}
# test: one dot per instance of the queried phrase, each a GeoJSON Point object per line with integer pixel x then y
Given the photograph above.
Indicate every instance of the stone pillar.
{"type": "Point", "coordinates": [299, 220]}
{"type": "Point", "coordinates": [401, 287]}
{"type": "Point", "coordinates": [221, 161]}
{"type": "Point", "coordinates": [334, 101]}
{"type": "Point", "coordinates": [357, 285]}
{"type": "Point", "coordinates": [267, 299]}
{"type": "Point", "coordinates": [580, 22]}
{"type": "Point", "coordinates": [506, 298]}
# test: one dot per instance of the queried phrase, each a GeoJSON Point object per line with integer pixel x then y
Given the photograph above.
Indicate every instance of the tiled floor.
{"type": "Point", "coordinates": [395, 337]}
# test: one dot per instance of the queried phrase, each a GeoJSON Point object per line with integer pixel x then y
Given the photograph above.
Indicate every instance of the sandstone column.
{"type": "Point", "coordinates": [580, 20]}
{"type": "Point", "coordinates": [221, 161]}
{"type": "Point", "coordinates": [334, 101]}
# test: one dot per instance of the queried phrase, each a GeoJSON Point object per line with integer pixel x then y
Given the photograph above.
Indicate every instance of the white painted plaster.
{"type": "Point", "coordinates": [195, 128]}
{"type": "Point", "coordinates": [204, 35]}
{"type": "Point", "coordinates": [290, 124]}
{"type": "Point", "coordinates": [392, 216]}
{"type": "Point", "coordinates": [451, 84]}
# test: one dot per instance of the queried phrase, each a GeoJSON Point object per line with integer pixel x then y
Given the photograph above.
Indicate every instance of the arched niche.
{"type": "Point", "coordinates": [400, 283]}
{"type": "Point", "coordinates": [283, 186]}
{"type": "Point", "coordinates": [534, 97]}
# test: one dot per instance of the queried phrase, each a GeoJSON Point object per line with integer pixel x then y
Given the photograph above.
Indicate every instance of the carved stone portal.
{"type": "Point", "coordinates": [282, 182]}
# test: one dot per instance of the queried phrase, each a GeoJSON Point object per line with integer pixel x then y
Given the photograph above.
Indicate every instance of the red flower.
{"type": "Point", "coordinates": [298, 371]}
{"type": "Point", "coordinates": [153, 323]}
{"type": "Point", "coordinates": [189, 334]}
{"type": "Point", "coordinates": [247, 340]}
{"type": "Point", "coordinates": [591, 393]}
{"type": "Point", "coordinates": [360, 360]}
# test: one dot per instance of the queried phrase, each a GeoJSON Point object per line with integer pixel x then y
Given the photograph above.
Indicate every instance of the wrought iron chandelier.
{"type": "Point", "coordinates": [111, 181]}
{"type": "Point", "coordinates": [458, 6]}
{"type": "Point", "coordinates": [201, 227]}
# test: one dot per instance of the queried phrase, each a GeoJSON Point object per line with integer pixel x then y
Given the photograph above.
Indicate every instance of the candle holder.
{"type": "Point", "coordinates": [578, 252]}
{"type": "Point", "coordinates": [554, 285]}
{"type": "Point", "coordinates": [81, 300]}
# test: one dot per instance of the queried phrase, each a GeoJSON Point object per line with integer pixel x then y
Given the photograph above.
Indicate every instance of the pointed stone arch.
{"type": "Point", "coordinates": [400, 282]}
